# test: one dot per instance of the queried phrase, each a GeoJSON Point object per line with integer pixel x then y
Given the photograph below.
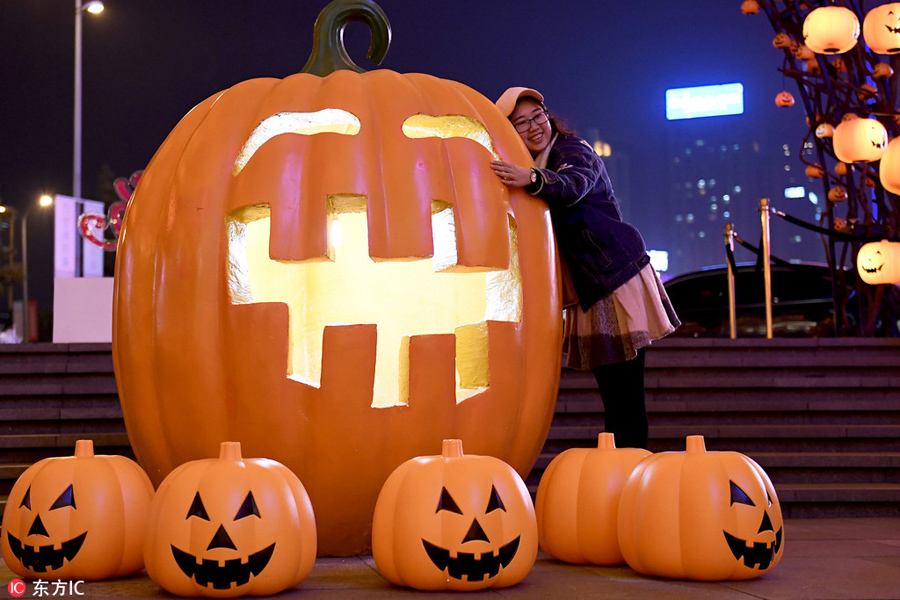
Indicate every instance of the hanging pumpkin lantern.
{"type": "Point", "coordinates": [802, 52]}
{"type": "Point", "coordinates": [879, 262]}
{"type": "Point", "coordinates": [840, 169]}
{"type": "Point", "coordinates": [812, 66]}
{"type": "Point", "coordinates": [837, 194]}
{"type": "Point", "coordinates": [239, 315]}
{"type": "Point", "coordinates": [454, 522]}
{"type": "Point", "coordinates": [577, 502]}
{"type": "Point", "coordinates": [824, 130]}
{"type": "Point", "coordinates": [840, 224]}
{"type": "Point", "coordinates": [889, 167]}
{"type": "Point", "coordinates": [867, 92]}
{"type": "Point", "coordinates": [700, 515]}
{"type": "Point", "coordinates": [782, 40]}
{"type": "Point", "coordinates": [815, 171]}
{"type": "Point", "coordinates": [230, 526]}
{"type": "Point", "coordinates": [77, 517]}
{"type": "Point", "coordinates": [784, 99]}
{"type": "Point", "coordinates": [881, 28]}
{"type": "Point", "coordinates": [839, 64]}
{"type": "Point", "coordinates": [857, 139]}
{"type": "Point", "coordinates": [882, 70]}
{"type": "Point", "coordinates": [749, 7]}
{"type": "Point", "coordinates": [830, 30]}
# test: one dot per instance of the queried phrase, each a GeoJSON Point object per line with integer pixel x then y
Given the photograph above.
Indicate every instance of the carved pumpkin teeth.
{"type": "Point", "coordinates": [403, 298]}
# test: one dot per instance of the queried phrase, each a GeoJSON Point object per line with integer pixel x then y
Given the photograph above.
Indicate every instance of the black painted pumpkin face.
{"type": "Point", "coordinates": [77, 517]}
{"type": "Point", "coordinates": [454, 522]}
{"type": "Point", "coordinates": [228, 527]}
{"type": "Point", "coordinates": [752, 553]}
{"type": "Point", "coordinates": [700, 515]}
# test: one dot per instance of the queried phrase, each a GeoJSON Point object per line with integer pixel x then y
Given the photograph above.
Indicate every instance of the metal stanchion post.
{"type": "Point", "coordinates": [732, 317]}
{"type": "Point", "coordinates": [766, 262]}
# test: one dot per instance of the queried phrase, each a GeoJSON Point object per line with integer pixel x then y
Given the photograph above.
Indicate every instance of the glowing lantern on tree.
{"type": "Point", "coordinates": [830, 30]}
{"type": "Point", "coordinates": [700, 515]}
{"type": "Point", "coordinates": [856, 139]}
{"type": "Point", "coordinates": [889, 167]}
{"type": "Point", "coordinates": [879, 262]}
{"type": "Point", "coordinates": [881, 28]}
{"type": "Point", "coordinates": [240, 316]}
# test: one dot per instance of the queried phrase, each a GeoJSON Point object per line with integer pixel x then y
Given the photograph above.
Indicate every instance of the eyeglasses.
{"type": "Point", "coordinates": [525, 125]}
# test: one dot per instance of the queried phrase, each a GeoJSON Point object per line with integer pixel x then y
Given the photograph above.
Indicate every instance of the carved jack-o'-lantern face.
{"type": "Point", "coordinates": [458, 522]}
{"type": "Point", "coordinates": [230, 526]}
{"type": "Point", "coordinates": [879, 262]}
{"type": "Point", "coordinates": [438, 309]}
{"type": "Point", "coordinates": [726, 524]}
{"type": "Point", "coordinates": [881, 28]}
{"type": "Point", "coordinates": [77, 517]}
{"type": "Point", "coordinates": [858, 139]}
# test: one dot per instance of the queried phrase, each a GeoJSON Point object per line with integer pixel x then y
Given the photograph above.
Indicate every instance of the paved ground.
{"type": "Point", "coordinates": [823, 559]}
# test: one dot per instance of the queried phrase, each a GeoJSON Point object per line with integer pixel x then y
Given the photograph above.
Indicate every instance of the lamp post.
{"type": "Point", "coordinates": [93, 7]}
{"type": "Point", "coordinates": [43, 202]}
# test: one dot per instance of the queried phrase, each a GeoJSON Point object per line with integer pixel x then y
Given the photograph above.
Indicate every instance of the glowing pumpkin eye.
{"type": "Point", "coordinates": [67, 498]}
{"type": "Point", "coordinates": [197, 509]}
{"type": "Point", "coordinates": [495, 503]}
{"type": "Point", "coordinates": [740, 496]}
{"type": "Point", "coordinates": [26, 501]}
{"type": "Point", "coordinates": [447, 503]}
{"type": "Point", "coordinates": [248, 508]}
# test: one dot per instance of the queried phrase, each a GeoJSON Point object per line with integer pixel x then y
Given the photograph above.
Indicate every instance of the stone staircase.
{"type": "Point", "coordinates": [822, 416]}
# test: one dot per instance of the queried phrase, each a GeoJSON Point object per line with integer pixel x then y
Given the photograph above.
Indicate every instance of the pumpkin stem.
{"type": "Point", "coordinates": [84, 448]}
{"type": "Point", "coordinates": [606, 441]}
{"type": "Point", "coordinates": [451, 449]}
{"type": "Point", "coordinates": [230, 451]}
{"type": "Point", "coordinates": [695, 443]}
{"type": "Point", "coordinates": [329, 54]}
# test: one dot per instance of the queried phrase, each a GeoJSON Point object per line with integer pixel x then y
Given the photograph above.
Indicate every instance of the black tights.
{"type": "Point", "coordinates": [622, 391]}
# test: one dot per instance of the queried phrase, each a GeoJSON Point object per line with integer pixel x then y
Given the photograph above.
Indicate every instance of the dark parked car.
{"type": "Point", "coordinates": [801, 301]}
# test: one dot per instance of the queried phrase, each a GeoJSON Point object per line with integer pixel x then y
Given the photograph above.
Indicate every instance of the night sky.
{"type": "Point", "coordinates": [601, 64]}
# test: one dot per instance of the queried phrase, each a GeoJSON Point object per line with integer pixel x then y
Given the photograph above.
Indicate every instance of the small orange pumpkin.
{"type": "Point", "coordinates": [749, 7]}
{"type": "Point", "coordinates": [700, 515]}
{"type": "Point", "coordinates": [230, 526]}
{"type": "Point", "coordinates": [815, 171]}
{"type": "Point", "coordinates": [837, 194]}
{"type": "Point", "coordinates": [454, 522]}
{"type": "Point", "coordinates": [882, 70]}
{"type": "Point", "coordinates": [577, 502]}
{"type": "Point", "coordinates": [784, 99]}
{"type": "Point", "coordinates": [879, 262]}
{"type": "Point", "coordinates": [77, 517]}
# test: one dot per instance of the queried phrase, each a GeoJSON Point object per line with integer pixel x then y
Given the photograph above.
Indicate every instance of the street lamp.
{"type": "Point", "coordinates": [44, 201]}
{"type": "Point", "coordinates": [93, 7]}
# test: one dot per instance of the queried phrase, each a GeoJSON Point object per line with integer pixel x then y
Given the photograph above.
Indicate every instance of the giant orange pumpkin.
{"type": "Point", "coordinates": [77, 517]}
{"type": "Point", "coordinates": [239, 316]}
{"type": "Point", "coordinates": [229, 526]}
{"type": "Point", "coordinates": [700, 515]}
{"type": "Point", "coordinates": [454, 522]}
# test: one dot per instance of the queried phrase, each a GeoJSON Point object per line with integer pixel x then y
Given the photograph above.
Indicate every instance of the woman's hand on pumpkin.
{"type": "Point", "coordinates": [510, 174]}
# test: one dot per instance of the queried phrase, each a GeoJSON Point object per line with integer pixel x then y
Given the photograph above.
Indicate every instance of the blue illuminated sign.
{"type": "Point", "coordinates": [705, 101]}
